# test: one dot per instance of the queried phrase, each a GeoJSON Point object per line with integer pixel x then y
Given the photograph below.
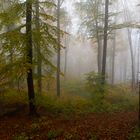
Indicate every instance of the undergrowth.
{"type": "Point", "coordinates": [135, 135]}
{"type": "Point", "coordinates": [116, 99]}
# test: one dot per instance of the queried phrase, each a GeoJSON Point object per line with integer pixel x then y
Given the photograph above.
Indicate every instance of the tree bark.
{"type": "Point", "coordinates": [113, 58]}
{"type": "Point", "coordinates": [105, 42]}
{"type": "Point", "coordinates": [99, 56]}
{"type": "Point", "coordinates": [66, 57]}
{"type": "Point", "coordinates": [39, 61]}
{"type": "Point", "coordinates": [127, 17]}
{"type": "Point", "coordinates": [58, 48]}
{"type": "Point", "coordinates": [31, 95]}
{"type": "Point", "coordinates": [132, 58]}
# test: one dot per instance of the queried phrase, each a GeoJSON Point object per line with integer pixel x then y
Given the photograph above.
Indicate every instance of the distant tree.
{"type": "Point", "coordinates": [113, 58]}
{"type": "Point", "coordinates": [93, 26]}
{"type": "Point", "coordinates": [129, 33]}
{"type": "Point", "coordinates": [90, 12]}
{"type": "Point", "coordinates": [65, 25]}
{"type": "Point", "coordinates": [59, 3]}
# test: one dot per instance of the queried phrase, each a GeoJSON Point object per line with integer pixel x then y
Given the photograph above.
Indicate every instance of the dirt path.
{"type": "Point", "coordinates": [115, 126]}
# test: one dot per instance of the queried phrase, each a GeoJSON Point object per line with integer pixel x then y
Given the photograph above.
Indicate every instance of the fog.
{"type": "Point", "coordinates": [82, 52]}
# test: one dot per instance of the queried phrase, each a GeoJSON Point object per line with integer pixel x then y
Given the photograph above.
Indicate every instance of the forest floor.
{"type": "Point", "coordinates": [95, 126]}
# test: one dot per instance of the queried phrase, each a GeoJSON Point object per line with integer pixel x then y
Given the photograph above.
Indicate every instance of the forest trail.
{"type": "Point", "coordinates": [102, 126]}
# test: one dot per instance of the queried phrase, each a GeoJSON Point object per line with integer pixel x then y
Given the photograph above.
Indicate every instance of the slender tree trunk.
{"type": "Point", "coordinates": [58, 49]}
{"type": "Point", "coordinates": [139, 83]}
{"type": "Point", "coordinates": [132, 58]}
{"type": "Point", "coordinates": [39, 61]}
{"type": "Point", "coordinates": [125, 69]}
{"type": "Point", "coordinates": [138, 61]}
{"type": "Point", "coordinates": [139, 108]}
{"type": "Point", "coordinates": [31, 95]}
{"type": "Point", "coordinates": [127, 17]}
{"type": "Point", "coordinates": [66, 57]}
{"type": "Point", "coordinates": [99, 56]}
{"type": "Point", "coordinates": [105, 41]}
{"type": "Point", "coordinates": [113, 58]}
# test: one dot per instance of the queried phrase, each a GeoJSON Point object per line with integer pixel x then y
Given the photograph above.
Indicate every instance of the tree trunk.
{"type": "Point", "coordinates": [138, 61]}
{"type": "Point", "coordinates": [39, 61]}
{"type": "Point", "coordinates": [31, 95]}
{"type": "Point", "coordinates": [113, 58]}
{"type": "Point", "coordinates": [66, 58]}
{"type": "Point", "coordinates": [105, 42]}
{"type": "Point", "coordinates": [127, 17]}
{"type": "Point", "coordinates": [132, 58]}
{"type": "Point", "coordinates": [99, 56]}
{"type": "Point", "coordinates": [58, 48]}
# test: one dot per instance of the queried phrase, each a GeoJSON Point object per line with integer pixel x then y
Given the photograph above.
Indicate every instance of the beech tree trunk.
{"type": "Point", "coordinates": [113, 58]}
{"type": "Point", "coordinates": [58, 49]}
{"type": "Point", "coordinates": [66, 57]}
{"type": "Point", "coordinates": [105, 41]}
{"type": "Point", "coordinates": [99, 40]}
{"type": "Point", "coordinates": [132, 59]}
{"type": "Point", "coordinates": [31, 95]}
{"type": "Point", "coordinates": [39, 61]}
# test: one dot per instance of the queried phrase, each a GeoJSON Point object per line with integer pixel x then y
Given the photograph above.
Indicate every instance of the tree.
{"type": "Point", "coordinates": [105, 41]}
{"type": "Point", "coordinates": [65, 25]}
{"type": "Point", "coordinates": [129, 32]}
{"type": "Point", "coordinates": [92, 24]}
{"type": "Point", "coordinates": [58, 48]}
{"type": "Point", "coordinates": [59, 3]}
{"type": "Point", "coordinates": [39, 60]}
{"type": "Point", "coordinates": [113, 57]}
{"type": "Point", "coordinates": [22, 43]}
{"type": "Point", "coordinates": [31, 94]}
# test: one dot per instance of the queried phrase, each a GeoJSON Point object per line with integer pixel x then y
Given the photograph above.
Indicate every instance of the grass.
{"type": "Point", "coordinates": [74, 101]}
{"type": "Point", "coordinates": [21, 136]}
{"type": "Point", "coordinates": [135, 135]}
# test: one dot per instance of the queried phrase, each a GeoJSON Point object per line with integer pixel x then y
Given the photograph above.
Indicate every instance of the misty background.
{"type": "Point", "coordinates": [82, 51]}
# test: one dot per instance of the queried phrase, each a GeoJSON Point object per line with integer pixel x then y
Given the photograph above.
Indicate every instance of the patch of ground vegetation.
{"type": "Point", "coordinates": [115, 99]}
{"type": "Point", "coordinates": [73, 116]}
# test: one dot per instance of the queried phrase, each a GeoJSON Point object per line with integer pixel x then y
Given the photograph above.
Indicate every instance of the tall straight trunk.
{"type": "Point", "coordinates": [58, 49]}
{"type": "Point", "coordinates": [125, 70]}
{"type": "Point", "coordinates": [132, 58]}
{"type": "Point", "coordinates": [99, 56]}
{"type": "Point", "coordinates": [139, 82]}
{"type": "Point", "coordinates": [105, 41]}
{"type": "Point", "coordinates": [39, 61]}
{"type": "Point", "coordinates": [127, 17]}
{"type": "Point", "coordinates": [138, 61]}
{"type": "Point", "coordinates": [31, 95]}
{"type": "Point", "coordinates": [113, 58]}
{"type": "Point", "coordinates": [66, 57]}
